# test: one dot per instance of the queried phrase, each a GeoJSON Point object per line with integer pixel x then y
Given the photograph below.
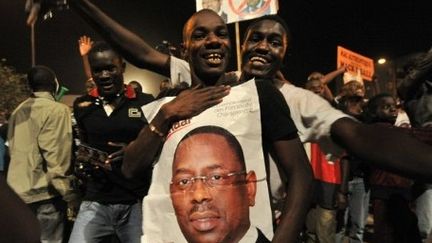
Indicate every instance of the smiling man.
{"type": "Point", "coordinates": [109, 113]}
{"type": "Point", "coordinates": [211, 195]}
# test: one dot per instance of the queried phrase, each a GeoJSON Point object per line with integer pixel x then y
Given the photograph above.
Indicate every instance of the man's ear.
{"type": "Point", "coordinates": [251, 187]}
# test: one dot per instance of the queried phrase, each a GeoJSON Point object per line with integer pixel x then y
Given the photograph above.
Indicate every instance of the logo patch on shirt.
{"type": "Point", "coordinates": [134, 112]}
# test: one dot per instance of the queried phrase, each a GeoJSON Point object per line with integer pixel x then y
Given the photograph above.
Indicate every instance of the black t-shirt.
{"type": "Point", "coordinates": [275, 115]}
{"type": "Point", "coordinates": [122, 126]}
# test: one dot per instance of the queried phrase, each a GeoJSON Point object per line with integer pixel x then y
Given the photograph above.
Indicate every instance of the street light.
{"type": "Point", "coordinates": [382, 61]}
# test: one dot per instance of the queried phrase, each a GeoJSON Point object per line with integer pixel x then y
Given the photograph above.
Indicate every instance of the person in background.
{"type": "Point", "coordinates": [352, 221]}
{"type": "Point", "coordinates": [164, 85]}
{"type": "Point", "coordinates": [415, 91]}
{"type": "Point", "coordinates": [318, 83]}
{"type": "Point", "coordinates": [40, 144]}
{"type": "Point", "coordinates": [390, 193]}
{"type": "Point", "coordinates": [144, 97]}
{"type": "Point", "coordinates": [107, 118]}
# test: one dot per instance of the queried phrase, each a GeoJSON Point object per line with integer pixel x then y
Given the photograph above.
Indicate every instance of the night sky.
{"type": "Point", "coordinates": [372, 28]}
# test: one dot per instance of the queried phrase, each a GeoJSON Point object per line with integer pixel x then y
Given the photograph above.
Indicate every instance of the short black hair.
{"type": "Point", "coordinates": [185, 36]}
{"type": "Point", "coordinates": [101, 46]}
{"type": "Point", "coordinates": [271, 17]}
{"type": "Point", "coordinates": [41, 78]}
{"type": "Point", "coordinates": [373, 102]}
{"type": "Point", "coordinates": [229, 137]}
{"type": "Point", "coordinates": [369, 115]}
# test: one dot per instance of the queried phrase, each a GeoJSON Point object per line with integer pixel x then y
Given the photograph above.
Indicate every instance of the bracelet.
{"type": "Point", "coordinates": [156, 131]}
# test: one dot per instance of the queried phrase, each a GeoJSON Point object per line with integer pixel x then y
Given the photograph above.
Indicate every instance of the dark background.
{"type": "Point", "coordinates": [389, 29]}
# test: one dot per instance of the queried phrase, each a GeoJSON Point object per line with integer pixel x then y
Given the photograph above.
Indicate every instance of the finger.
{"type": "Point", "coordinates": [115, 144]}
{"type": "Point", "coordinates": [208, 91]}
{"type": "Point", "coordinates": [115, 154]}
{"type": "Point", "coordinates": [110, 161]}
{"type": "Point", "coordinates": [218, 94]}
{"type": "Point", "coordinates": [197, 87]}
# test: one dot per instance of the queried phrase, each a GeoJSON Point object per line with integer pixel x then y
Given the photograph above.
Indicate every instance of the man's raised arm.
{"type": "Point", "coordinates": [129, 45]}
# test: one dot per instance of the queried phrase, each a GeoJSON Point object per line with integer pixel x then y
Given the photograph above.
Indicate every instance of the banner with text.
{"type": "Point", "coordinates": [237, 10]}
{"type": "Point", "coordinates": [355, 63]}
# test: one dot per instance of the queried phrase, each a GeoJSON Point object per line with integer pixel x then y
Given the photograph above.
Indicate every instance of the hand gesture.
{"type": "Point", "coordinates": [116, 156]}
{"type": "Point", "coordinates": [192, 102]}
{"type": "Point", "coordinates": [84, 44]}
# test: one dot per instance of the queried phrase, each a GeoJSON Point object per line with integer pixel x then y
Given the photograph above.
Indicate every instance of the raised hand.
{"type": "Point", "coordinates": [84, 43]}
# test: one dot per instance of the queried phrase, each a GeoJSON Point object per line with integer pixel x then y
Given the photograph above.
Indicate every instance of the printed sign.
{"type": "Point", "coordinates": [355, 62]}
{"type": "Point", "coordinates": [238, 10]}
{"type": "Point", "coordinates": [209, 182]}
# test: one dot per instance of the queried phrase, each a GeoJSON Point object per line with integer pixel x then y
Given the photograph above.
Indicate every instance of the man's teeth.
{"type": "Point", "coordinates": [258, 59]}
{"type": "Point", "coordinates": [214, 58]}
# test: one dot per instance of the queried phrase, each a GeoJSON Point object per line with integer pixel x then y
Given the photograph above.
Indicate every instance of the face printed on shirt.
{"type": "Point", "coordinates": [211, 194]}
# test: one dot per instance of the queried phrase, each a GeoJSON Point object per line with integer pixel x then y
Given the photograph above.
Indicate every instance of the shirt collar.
{"type": "Point", "coordinates": [43, 94]}
{"type": "Point", "coordinates": [129, 92]}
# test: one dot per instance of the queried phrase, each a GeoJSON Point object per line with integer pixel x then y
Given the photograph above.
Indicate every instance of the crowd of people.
{"type": "Point", "coordinates": [91, 175]}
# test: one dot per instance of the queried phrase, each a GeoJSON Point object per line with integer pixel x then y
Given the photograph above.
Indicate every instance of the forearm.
{"type": "Point", "coordinates": [296, 208]}
{"type": "Point", "coordinates": [384, 147]}
{"type": "Point", "coordinates": [140, 154]}
{"type": "Point", "coordinates": [299, 190]}
{"type": "Point", "coordinates": [328, 95]}
{"type": "Point", "coordinates": [345, 170]}
{"type": "Point", "coordinates": [86, 66]}
{"type": "Point", "coordinates": [332, 75]}
{"type": "Point", "coordinates": [131, 46]}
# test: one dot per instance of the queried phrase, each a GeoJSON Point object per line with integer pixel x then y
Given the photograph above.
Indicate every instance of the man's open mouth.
{"type": "Point", "coordinates": [213, 59]}
{"type": "Point", "coordinates": [258, 61]}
